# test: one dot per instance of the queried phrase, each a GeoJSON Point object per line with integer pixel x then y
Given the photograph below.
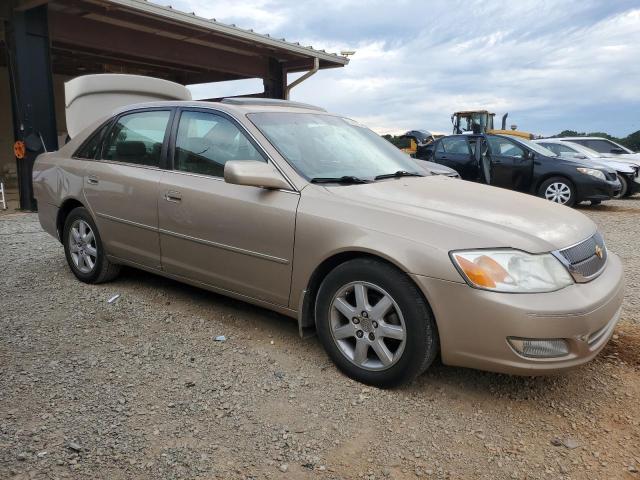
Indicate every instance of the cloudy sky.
{"type": "Point", "coordinates": [552, 65]}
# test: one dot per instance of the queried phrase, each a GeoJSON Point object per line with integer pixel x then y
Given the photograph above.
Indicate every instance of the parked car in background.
{"type": "Point", "coordinates": [519, 164]}
{"type": "Point", "coordinates": [438, 169]}
{"type": "Point", "coordinates": [314, 216]}
{"type": "Point", "coordinates": [604, 145]}
{"type": "Point", "coordinates": [628, 172]}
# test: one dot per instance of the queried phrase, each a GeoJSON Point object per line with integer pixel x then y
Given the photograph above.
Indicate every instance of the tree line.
{"type": "Point", "coordinates": [631, 141]}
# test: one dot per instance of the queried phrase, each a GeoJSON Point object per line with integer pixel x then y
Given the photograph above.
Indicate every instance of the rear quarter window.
{"type": "Point", "coordinates": [90, 148]}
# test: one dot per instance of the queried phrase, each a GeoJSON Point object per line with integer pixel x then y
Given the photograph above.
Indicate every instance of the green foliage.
{"type": "Point", "coordinates": [397, 141]}
{"type": "Point", "coordinates": [631, 141]}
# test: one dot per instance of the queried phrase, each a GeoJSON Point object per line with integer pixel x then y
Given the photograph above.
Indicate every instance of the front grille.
{"type": "Point", "coordinates": [582, 259]}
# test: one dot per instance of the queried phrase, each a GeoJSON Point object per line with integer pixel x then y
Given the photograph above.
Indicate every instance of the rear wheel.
{"type": "Point", "coordinates": [559, 190]}
{"type": "Point", "coordinates": [374, 323]}
{"type": "Point", "coordinates": [84, 251]}
{"type": "Point", "coordinates": [624, 186]}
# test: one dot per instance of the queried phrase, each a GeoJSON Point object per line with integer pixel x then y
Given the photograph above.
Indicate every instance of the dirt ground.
{"type": "Point", "coordinates": [139, 388]}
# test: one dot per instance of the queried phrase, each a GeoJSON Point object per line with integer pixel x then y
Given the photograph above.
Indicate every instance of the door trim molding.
{"type": "Point", "coordinates": [223, 246]}
{"type": "Point", "coordinates": [127, 222]}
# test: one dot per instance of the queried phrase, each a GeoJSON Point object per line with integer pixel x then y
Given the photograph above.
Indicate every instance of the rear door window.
{"type": "Point", "coordinates": [456, 145]}
{"type": "Point", "coordinates": [601, 146]}
{"type": "Point", "coordinates": [137, 138]}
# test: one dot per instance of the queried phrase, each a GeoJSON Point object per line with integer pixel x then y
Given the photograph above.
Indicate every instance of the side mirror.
{"type": "Point", "coordinates": [254, 174]}
{"type": "Point", "coordinates": [617, 150]}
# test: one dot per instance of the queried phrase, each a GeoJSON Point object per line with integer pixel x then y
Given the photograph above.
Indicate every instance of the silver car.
{"type": "Point", "coordinates": [312, 215]}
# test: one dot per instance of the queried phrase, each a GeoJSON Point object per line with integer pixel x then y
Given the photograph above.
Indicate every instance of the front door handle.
{"type": "Point", "coordinates": [173, 196]}
{"type": "Point", "coordinates": [92, 179]}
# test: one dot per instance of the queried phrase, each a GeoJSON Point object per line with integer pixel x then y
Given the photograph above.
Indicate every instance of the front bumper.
{"type": "Point", "coordinates": [474, 324]}
{"type": "Point", "coordinates": [634, 184]}
{"type": "Point", "coordinates": [592, 188]}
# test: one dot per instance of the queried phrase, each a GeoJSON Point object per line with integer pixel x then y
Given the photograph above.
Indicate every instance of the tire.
{"type": "Point", "coordinates": [559, 190]}
{"type": "Point", "coordinates": [624, 191]}
{"type": "Point", "coordinates": [405, 333]}
{"type": "Point", "coordinates": [84, 250]}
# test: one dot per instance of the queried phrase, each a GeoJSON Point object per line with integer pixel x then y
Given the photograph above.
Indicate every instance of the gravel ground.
{"type": "Point", "coordinates": [139, 388]}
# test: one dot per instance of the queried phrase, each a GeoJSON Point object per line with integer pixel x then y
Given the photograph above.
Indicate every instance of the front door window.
{"type": "Point", "coordinates": [206, 141]}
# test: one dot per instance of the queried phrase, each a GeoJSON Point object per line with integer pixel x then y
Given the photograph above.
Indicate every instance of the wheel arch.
{"type": "Point", "coordinates": [306, 316]}
{"type": "Point", "coordinates": [63, 212]}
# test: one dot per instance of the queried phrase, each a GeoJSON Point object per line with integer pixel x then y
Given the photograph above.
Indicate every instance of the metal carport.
{"type": "Point", "coordinates": [46, 42]}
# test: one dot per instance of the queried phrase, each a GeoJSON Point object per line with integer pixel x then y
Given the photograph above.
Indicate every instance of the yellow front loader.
{"type": "Point", "coordinates": [481, 121]}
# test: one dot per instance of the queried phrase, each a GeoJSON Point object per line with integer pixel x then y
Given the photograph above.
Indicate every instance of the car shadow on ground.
{"type": "Point", "coordinates": [630, 204]}
{"type": "Point", "coordinates": [453, 382]}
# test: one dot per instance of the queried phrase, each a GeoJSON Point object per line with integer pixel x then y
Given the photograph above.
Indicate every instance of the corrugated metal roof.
{"type": "Point", "coordinates": [170, 13]}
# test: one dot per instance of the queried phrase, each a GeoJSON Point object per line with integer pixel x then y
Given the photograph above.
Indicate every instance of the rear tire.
{"type": "Point", "coordinates": [84, 250]}
{"type": "Point", "coordinates": [624, 190]}
{"type": "Point", "coordinates": [559, 190]}
{"type": "Point", "coordinates": [375, 324]}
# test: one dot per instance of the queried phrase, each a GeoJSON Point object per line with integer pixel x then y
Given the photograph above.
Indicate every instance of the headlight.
{"type": "Point", "coordinates": [593, 172]}
{"type": "Point", "coordinates": [511, 271]}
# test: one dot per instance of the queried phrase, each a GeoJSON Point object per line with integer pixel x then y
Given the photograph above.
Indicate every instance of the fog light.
{"type": "Point", "coordinates": [528, 347]}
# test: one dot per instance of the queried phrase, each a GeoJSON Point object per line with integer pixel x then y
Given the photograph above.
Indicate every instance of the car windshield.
{"type": "Point", "coordinates": [533, 146]}
{"type": "Point", "coordinates": [322, 146]}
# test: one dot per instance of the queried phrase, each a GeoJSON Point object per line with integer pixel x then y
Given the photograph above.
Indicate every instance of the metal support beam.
{"type": "Point", "coordinates": [274, 81]}
{"type": "Point", "coordinates": [32, 90]}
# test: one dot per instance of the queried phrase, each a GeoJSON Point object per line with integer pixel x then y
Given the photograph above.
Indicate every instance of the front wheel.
{"type": "Point", "coordinates": [624, 187]}
{"type": "Point", "coordinates": [84, 251]}
{"type": "Point", "coordinates": [375, 324]}
{"type": "Point", "coordinates": [558, 190]}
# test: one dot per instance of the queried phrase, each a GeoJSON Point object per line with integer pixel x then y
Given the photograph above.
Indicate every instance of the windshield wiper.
{"type": "Point", "coordinates": [347, 180]}
{"type": "Point", "coordinates": [398, 174]}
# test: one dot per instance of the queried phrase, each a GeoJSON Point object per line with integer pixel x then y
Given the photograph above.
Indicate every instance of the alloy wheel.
{"type": "Point", "coordinates": [82, 246]}
{"type": "Point", "coordinates": [367, 326]}
{"type": "Point", "coordinates": [558, 192]}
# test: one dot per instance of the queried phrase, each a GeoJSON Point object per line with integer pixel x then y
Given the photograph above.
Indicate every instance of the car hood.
{"type": "Point", "coordinates": [467, 215]}
{"type": "Point", "coordinates": [438, 169]}
{"type": "Point", "coordinates": [620, 166]}
{"type": "Point", "coordinates": [627, 158]}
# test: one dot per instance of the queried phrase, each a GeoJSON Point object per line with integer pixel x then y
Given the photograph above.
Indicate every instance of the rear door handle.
{"type": "Point", "coordinates": [173, 196]}
{"type": "Point", "coordinates": [92, 179]}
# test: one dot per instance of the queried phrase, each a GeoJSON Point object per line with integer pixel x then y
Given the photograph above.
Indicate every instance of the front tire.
{"type": "Point", "coordinates": [375, 324]}
{"type": "Point", "coordinates": [624, 190]}
{"type": "Point", "coordinates": [84, 250]}
{"type": "Point", "coordinates": [559, 190]}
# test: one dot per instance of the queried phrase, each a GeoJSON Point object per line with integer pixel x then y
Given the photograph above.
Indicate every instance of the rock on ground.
{"type": "Point", "coordinates": [139, 388]}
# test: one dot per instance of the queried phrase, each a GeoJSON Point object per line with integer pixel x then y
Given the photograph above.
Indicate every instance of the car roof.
{"type": "Point", "coordinates": [582, 138]}
{"type": "Point", "coordinates": [234, 105]}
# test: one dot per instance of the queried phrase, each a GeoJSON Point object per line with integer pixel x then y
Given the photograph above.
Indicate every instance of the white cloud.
{"type": "Point", "coordinates": [552, 65]}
